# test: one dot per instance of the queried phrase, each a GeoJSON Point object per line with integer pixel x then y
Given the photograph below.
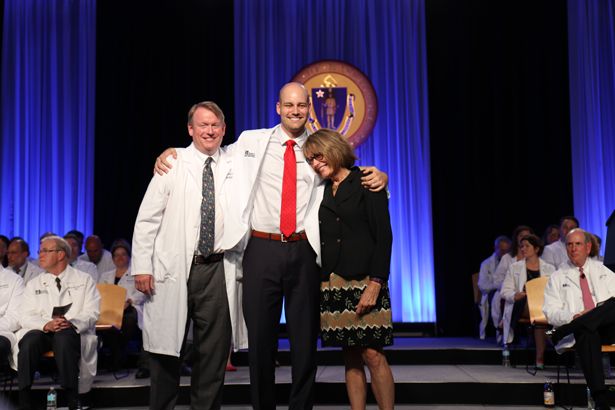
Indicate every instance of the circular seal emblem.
{"type": "Point", "coordinates": [341, 98]}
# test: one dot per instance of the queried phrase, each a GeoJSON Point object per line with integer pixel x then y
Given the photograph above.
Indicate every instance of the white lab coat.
{"type": "Point", "coordinates": [31, 271]}
{"type": "Point", "coordinates": [165, 237]}
{"type": "Point", "coordinates": [105, 263]}
{"type": "Point", "coordinates": [11, 294]}
{"type": "Point", "coordinates": [127, 281]}
{"type": "Point", "coordinates": [563, 297]}
{"type": "Point", "coordinates": [42, 295]}
{"type": "Point", "coordinates": [555, 254]}
{"type": "Point", "coordinates": [248, 154]}
{"type": "Point", "coordinates": [498, 277]}
{"type": "Point", "coordinates": [515, 282]}
{"type": "Point", "coordinates": [486, 283]}
{"type": "Point", "coordinates": [87, 267]}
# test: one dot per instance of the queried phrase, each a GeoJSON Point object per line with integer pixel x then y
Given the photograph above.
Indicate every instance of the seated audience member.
{"type": "Point", "coordinates": [513, 291]}
{"type": "Point", "coordinates": [133, 307]}
{"type": "Point", "coordinates": [595, 251]}
{"type": "Point", "coordinates": [551, 234]}
{"type": "Point", "coordinates": [59, 313]}
{"type": "Point", "coordinates": [580, 304]}
{"type": "Point", "coordinates": [18, 254]}
{"type": "Point", "coordinates": [11, 291]}
{"type": "Point", "coordinates": [79, 264]}
{"type": "Point", "coordinates": [500, 272]}
{"type": "Point", "coordinates": [80, 237]}
{"type": "Point", "coordinates": [96, 254]}
{"type": "Point", "coordinates": [555, 253]}
{"type": "Point", "coordinates": [4, 247]}
{"type": "Point", "coordinates": [487, 281]}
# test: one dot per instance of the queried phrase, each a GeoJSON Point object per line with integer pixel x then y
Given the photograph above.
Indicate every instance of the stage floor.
{"type": "Point", "coordinates": [430, 373]}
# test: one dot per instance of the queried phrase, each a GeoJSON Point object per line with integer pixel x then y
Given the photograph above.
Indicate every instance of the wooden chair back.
{"type": "Point", "coordinates": [112, 298]}
{"type": "Point", "coordinates": [535, 290]}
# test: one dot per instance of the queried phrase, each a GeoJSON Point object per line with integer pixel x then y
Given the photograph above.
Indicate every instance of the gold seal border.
{"type": "Point", "coordinates": [362, 82]}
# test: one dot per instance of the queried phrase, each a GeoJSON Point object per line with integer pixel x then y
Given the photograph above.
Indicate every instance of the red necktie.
{"type": "Point", "coordinates": [588, 301]}
{"type": "Point", "coordinates": [288, 210]}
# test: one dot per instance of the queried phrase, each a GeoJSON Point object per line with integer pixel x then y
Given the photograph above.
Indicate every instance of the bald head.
{"type": "Point", "coordinates": [293, 107]}
{"type": "Point", "coordinates": [94, 248]}
{"type": "Point", "coordinates": [293, 87]}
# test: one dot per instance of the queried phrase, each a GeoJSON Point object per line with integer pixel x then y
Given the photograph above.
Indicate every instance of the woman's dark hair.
{"type": "Point", "coordinates": [536, 242]}
{"type": "Point", "coordinates": [515, 240]}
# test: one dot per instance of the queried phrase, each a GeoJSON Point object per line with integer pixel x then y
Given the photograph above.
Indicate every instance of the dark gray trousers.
{"type": "Point", "coordinates": [209, 311]}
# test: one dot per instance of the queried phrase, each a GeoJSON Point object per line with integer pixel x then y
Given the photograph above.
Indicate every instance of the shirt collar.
{"type": "Point", "coordinates": [203, 157]}
{"type": "Point", "coordinates": [282, 137]}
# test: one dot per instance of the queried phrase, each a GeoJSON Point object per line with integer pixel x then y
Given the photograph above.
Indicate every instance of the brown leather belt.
{"type": "Point", "coordinates": [213, 258]}
{"type": "Point", "coordinates": [297, 236]}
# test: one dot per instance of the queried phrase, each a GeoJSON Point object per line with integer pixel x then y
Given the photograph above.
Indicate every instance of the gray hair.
{"type": "Point", "coordinates": [587, 235]}
{"type": "Point", "coordinates": [60, 243]}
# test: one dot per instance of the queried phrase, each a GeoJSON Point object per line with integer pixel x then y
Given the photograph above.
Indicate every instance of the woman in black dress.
{"type": "Point", "coordinates": [356, 238]}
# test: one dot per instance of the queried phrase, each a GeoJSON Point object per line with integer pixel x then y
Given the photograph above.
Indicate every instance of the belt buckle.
{"type": "Point", "coordinates": [282, 238]}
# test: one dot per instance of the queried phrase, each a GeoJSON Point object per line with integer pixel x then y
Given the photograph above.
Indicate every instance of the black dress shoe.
{"type": "Point", "coordinates": [142, 373]}
{"type": "Point", "coordinates": [553, 336]}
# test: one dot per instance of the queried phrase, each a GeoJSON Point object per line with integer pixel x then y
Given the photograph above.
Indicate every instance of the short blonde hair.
{"type": "Point", "coordinates": [208, 105]}
{"type": "Point", "coordinates": [333, 146]}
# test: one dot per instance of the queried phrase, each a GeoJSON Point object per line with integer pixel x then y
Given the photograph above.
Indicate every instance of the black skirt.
{"type": "Point", "coordinates": [341, 326]}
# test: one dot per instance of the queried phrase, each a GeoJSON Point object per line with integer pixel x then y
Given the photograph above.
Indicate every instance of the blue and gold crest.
{"type": "Point", "coordinates": [341, 98]}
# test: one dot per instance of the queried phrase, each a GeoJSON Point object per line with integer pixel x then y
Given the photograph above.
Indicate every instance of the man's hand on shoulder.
{"type": "Point", "coordinates": [374, 179]}
{"type": "Point", "coordinates": [162, 166]}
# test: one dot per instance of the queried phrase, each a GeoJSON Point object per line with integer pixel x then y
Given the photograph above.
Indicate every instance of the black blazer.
{"type": "Point", "coordinates": [355, 230]}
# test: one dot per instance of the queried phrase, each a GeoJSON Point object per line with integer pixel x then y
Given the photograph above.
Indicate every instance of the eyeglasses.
{"type": "Point", "coordinates": [48, 250]}
{"type": "Point", "coordinates": [316, 157]}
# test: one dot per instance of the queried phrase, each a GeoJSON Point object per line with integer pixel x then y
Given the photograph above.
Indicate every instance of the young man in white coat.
{"type": "Point", "coordinates": [178, 262]}
{"type": "Point", "coordinates": [11, 292]}
{"type": "Point", "coordinates": [70, 333]}
{"type": "Point", "coordinates": [579, 303]}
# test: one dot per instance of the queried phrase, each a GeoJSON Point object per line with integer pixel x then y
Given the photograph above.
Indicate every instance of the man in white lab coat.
{"type": "Point", "coordinates": [59, 312]}
{"type": "Point", "coordinates": [488, 283]}
{"type": "Point", "coordinates": [18, 254]}
{"type": "Point", "coordinates": [11, 291]}
{"type": "Point", "coordinates": [555, 253]}
{"type": "Point", "coordinates": [80, 264]}
{"type": "Point", "coordinates": [97, 254]}
{"type": "Point", "coordinates": [178, 261]}
{"type": "Point", "coordinates": [579, 303]}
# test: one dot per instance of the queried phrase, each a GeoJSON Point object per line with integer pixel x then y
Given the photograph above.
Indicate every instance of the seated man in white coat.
{"type": "Point", "coordinates": [75, 262]}
{"type": "Point", "coordinates": [59, 310]}
{"type": "Point", "coordinates": [18, 256]}
{"type": "Point", "coordinates": [579, 303]}
{"type": "Point", "coordinates": [180, 264]}
{"type": "Point", "coordinates": [97, 254]}
{"type": "Point", "coordinates": [555, 253]}
{"type": "Point", "coordinates": [11, 291]}
{"type": "Point", "coordinates": [488, 283]}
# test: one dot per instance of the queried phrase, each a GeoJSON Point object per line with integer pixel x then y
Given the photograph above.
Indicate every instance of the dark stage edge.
{"type": "Point", "coordinates": [427, 371]}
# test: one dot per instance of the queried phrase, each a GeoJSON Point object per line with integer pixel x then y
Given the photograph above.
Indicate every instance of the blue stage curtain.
{"type": "Point", "coordinates": [275, 39]}
{"type": "Point", "coordinates": [47, 126]}
{"type": "Point", "coordinates": [591, 44]}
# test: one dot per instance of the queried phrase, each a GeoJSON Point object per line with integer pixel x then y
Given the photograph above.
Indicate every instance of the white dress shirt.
{"type": "Point", "coordinates": [219, 224]}
{"type": "Point", "coordinates": [268, 196]}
